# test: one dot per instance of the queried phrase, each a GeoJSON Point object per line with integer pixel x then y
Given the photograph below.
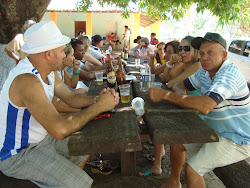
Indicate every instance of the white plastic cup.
{"type": "Point", "coordinates": [125, 93]}
{"type": "Point", "coordinates": [156, 84]}
{"type": "Point", "coordinates": [138, 105]}
{"type": "Point", "coordinates": [99, 77]}
{"type": "Point", "coordinates": [137, 62]}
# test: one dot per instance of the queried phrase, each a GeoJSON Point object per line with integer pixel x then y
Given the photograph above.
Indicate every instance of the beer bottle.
{"type": "Point", "coordinates": [126, 53]}
{"type": "Point", "coordinates": [120, 74]}
{"type": "Point", "coordinates": [111, 80]}
{"type": "Point", "coordinates": [122, 53]}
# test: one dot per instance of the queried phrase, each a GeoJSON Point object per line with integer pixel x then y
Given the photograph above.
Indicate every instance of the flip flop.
{"type": "Point", "coordinates": [101, 170]}
{"type": "Point", "coordinates": [146, 172]}
{"type": "Point", "coordinates": [150, 157]}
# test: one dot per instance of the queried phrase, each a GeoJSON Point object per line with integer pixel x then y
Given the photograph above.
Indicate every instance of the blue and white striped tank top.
{"type": "Point", "coordinates": [17, 126]}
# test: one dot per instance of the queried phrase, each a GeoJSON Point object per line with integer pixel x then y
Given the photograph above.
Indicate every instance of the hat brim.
{"type": "Point", "coordinates": [196, 42]}
{"type": "Point", "coordinates": [34, 50]}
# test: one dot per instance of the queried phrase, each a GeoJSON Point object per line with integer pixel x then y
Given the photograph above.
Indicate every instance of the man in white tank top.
{"type": "Point", "coordinates": [30, 126]}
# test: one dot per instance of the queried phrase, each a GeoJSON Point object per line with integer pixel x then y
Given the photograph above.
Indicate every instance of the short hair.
{"type": "Point", "coordinates": [112, 33]}
{"type": "Point", "coordinates": [175, 44]}
{"type": "Point", "coordinates": [85, 40]}
{"type": "Point", "coordinates": [196, 52]}
{"type": "Point", "coordinates": [80, 32]}
{"type": "Point", "coordinates": [74, 43]}
{"type": "Point", "coordinates": [153, 34]}
{"type": "Point", "coordinates": [27, 24]}
{"type": "Point", "coordinates": [67, 49]}
{"type": "Point", "coordinates": [126, 26]}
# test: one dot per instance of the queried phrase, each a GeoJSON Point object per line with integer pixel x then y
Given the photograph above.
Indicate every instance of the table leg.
{"type": "Point", "coordinates": [128, 163]}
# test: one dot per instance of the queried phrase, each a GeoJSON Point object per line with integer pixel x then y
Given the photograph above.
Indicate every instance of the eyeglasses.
{"type": "Point", "coordinates": [185, 48]}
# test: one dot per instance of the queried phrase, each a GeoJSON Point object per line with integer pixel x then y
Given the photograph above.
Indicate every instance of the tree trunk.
{"type": "Point", "coordinates": [14, 13]}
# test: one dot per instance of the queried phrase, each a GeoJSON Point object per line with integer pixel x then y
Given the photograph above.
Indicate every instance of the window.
{"type": "Point", "coordinates": [236, 46]}
{"type": "Point", "coordinates": [247, 49]}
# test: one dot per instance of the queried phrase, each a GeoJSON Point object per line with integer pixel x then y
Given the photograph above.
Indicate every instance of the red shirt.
{"type": "Point", "coordinates": [110, 37]}
{"type": "Point", "coordinates": [154, 41]}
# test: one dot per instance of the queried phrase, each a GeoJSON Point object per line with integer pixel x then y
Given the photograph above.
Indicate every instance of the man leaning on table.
{"type": "Point", "coordinates": [226, 104]}
{"type": "Point", "coordinates": [33, 135]}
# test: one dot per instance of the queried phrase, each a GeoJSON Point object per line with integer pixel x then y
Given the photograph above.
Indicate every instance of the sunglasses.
{"type": "Point", "coordinates": [185, 48]}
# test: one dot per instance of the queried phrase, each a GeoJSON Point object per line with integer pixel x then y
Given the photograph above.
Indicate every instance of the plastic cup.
{"type": "Point", "coordinates": [156, 84]}
{"type": "Point", "coordinates": [138, 105]}
{"type": "Point", "coordinates": [99, 77]}
{"type": "Point", "coordinates": [152, 77]}
{"type": "Point", "coordinates": [137, 63]}
{"type": "Point", "coordinates": [124, 93]}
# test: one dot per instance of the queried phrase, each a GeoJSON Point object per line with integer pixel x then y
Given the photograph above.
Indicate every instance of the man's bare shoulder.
{"type": "Point", "coordinates": [23, 87]}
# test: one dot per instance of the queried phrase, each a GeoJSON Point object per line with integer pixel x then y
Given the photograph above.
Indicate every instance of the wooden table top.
{"type": "Point", "coordinates": [169, 123]}
{"type": "Point", "coordinates": [118, 133]}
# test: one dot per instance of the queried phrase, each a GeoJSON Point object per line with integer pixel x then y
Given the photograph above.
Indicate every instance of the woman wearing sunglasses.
{"type": "Point", "coordinates": [163, 55]}
{"type": "Point", "coordinates": [181, 65]}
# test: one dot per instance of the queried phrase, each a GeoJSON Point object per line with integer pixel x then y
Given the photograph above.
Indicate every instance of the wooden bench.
{"type": "Point", "coordinates": [13, 182]}
{"type": "Point", "coordinates": [236, 175]}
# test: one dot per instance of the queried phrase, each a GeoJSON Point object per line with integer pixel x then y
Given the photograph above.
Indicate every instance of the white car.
{"type": "Point", "coordinates": [239, 53]}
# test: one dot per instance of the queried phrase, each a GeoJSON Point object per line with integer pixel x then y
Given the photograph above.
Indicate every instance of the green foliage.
{"type": "Point", "coordinates": [226, 10]}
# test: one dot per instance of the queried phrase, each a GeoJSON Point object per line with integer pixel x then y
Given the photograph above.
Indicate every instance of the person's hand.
{"type": "Point", "coordinates": [76, 65]}
{"type": "Point", "coordinates": [107, 101]}
{"type": "Point", "coordinates": [174, 59]}
{"type": "Point", "coordinates": [156, 94]}
{"type": "Point", "coordinates": [113, 92]}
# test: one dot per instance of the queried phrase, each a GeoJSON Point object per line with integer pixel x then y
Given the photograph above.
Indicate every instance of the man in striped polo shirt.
{"type": "Point", "coordinates": [225, 102]}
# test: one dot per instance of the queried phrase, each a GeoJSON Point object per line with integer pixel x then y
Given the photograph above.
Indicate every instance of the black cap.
{"type": "Point", "coordinates": [97, 39]}
{"type": "Point", "coordinates": [213, 37]}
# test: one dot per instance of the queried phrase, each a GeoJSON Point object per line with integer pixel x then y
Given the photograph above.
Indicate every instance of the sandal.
{"type": "Point", "coordinates": [147, 172]}
{"type": "Point", "coordinates": [150, 157]}
{"type": "Point", "coordinates": [101, 169]}
{"type": "Point", "coordinates": [106, 163]}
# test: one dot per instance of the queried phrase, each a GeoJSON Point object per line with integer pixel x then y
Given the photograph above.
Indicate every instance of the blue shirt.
{"type": "Point", "coordinates": [228, 88]}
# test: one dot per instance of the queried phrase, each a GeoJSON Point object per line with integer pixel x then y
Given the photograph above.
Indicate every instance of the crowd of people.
{"type": "Point", "coordinates": [43, 96]}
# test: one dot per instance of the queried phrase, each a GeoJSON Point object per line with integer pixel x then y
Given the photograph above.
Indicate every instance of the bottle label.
{"type": "Point", "coordinates": [144, 78]}
{"type": "Point", "coordinates": [111, 77]}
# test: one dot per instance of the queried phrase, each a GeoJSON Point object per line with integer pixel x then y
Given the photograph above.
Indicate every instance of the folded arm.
{"type": "Point", "coordinates": [203, 104]}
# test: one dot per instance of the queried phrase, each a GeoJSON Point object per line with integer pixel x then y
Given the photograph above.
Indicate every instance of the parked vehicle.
{"type": "Point", "coordinates": [239, 53]}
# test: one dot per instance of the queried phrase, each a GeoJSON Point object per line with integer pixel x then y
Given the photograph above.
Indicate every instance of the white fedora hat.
{"type": "Point", "coordinates": [43, 36]}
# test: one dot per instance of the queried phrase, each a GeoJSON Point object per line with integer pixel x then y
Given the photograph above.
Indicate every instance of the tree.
{"type": "Point", "coordinates": [14, 13]}
{"type": "Point", "coordinates": [225, 10]}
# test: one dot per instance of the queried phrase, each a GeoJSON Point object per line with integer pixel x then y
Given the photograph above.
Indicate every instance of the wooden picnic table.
{"type": "Point", "coordinates": [117, 133]}
{"type": "Point", "coordinates": [167, 124]}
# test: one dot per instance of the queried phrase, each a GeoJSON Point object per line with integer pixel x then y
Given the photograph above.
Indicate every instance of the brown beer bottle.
{"type": "Point", "coordinates": [126, 53]}
{"type": "Point", "coordinates": [120, 74]}
{"type": "Point", "coordinates": [111, 80]}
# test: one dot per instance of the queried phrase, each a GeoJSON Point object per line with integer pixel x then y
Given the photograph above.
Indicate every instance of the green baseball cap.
{"type": "Point", "coordinates": [213, 37]}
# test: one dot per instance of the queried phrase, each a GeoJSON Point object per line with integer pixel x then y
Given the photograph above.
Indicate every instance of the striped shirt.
{"type": "Point", "coordinates": [228, 88]}
{"type": "Point", "coordinates": [96, 52]}
{"type": "Point", "coordinates": [18, 127]}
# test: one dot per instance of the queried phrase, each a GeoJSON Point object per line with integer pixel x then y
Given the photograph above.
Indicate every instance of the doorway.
{"type": "Point", "coordinates": [80, 25]}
